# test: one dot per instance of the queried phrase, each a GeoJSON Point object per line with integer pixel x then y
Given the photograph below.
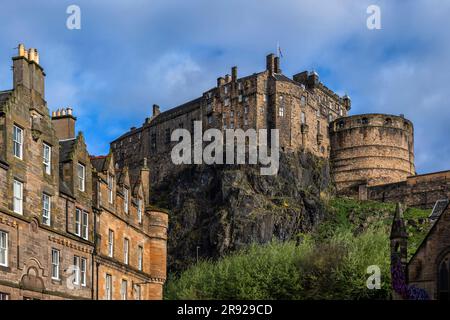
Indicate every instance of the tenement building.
{"type": "Point", "coordinates": [55, 216]}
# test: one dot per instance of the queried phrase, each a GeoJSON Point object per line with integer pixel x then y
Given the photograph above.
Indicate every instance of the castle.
{"type": "Point", "coordinates": [371, 155]}
{"type": "Point", "coordinates": [72, 226]}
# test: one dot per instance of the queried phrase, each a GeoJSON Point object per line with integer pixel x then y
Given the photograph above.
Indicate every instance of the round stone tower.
{"type": "Point", "coordinates": [371, 149]}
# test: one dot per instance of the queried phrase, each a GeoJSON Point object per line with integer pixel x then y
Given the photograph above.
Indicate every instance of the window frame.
{"type": "Point", "coordinates": [108, 286]}
{"type": "Point", "coordinates": [55, 264]}
{"type": "Point", "coordinates": [126, 199]}
{"type": "Point", "coordinates": [4, 248]}
{"type": "Point", "coordinates": [78, 218]}
{"type": "Point", "coordinates": [47, 162]}
{"type": "Point", "coordinates": [110, 243]}
{"type": "Point", "coordinates": [110, 188]}
{"type": "Point", "coordinates": [140, 258]}
{"type": "Point", "coordinates": [83, 272]}
{"type": "Point", "coordinates": [16, 199]}
{"type": "Point", "coordinates": [139, 211]}
{"type": "Point", "coordinates": [126, 251]}
{"type": "Point", "coordinates": [48, 209]}
{"type": "Point", "coordinates": [76, 271]}
{"type": "Point", "coordinates": [19, 143]}
{"type": "Point", "coordinates": [124, 291]}
{"type": "Point", "coordinates": [81, 179]}
{"type": "Point", "coordinates": [85, 225]}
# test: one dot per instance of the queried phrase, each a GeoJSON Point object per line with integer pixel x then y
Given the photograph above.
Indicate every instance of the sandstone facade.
{"type": "Point", "coordinates": [52, 220]}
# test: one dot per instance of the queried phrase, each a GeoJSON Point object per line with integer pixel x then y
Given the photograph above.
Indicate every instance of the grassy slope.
{"type": "Point", "coordinates": [329, 263]}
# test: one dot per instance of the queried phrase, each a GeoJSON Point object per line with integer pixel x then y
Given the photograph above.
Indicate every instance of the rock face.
{"type": "Point", "coordinates": [218, 209]}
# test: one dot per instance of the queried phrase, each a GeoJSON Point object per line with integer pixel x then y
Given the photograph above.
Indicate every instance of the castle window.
{"type": "Point", "coordinates": [246, 109]}
{"type": "Point", "coordinates": [341, 124]}
{"type": "Point", "coordinates": [225, 89]}
{"type": "Point", "coordinates": [167, 135]}
{"type": "Point", "coordinates": [18, 197]}
{"type": "Point", "coordinates": [153, 140]}
{"type": "Point", "coordinates": [232, 125]}
{"type": "Point", "coordinates": [81, 173]}
{"type": "Point", "coordinates": [240, 98]}
{"type": "Point", "coordinates": [108, 287]}
{"type": "Point", "coordinates": [232, 113]}
{"type": "Point", "coordinates": [55, 264]}
{"type": "Point", "coordinates": [318, 112]}
{"type": "Point", "coordinates": [365, 121]}
{"type": "Point", "coordinates": [318, 127]}
{"type": "Point", "coordinates": [245, 122]}
{"type": "Point", "coordinates": [46, 209]}
{"type": "Point", "coordinates": [240, 85]}
{"type": "Point", "coordinates": [47, 155]}
{"type": "Point", "coordinates": [330, 117]}
{"type": "Point", "coordinates": [140, 258]}
{"type": "Point", "coordinates": [18, 142]}
{"type": "Point", "coordinates": [110, 243]}
{"type": "Point", "coordinates": [341, 112]}
{"type": "Point", "coordinates": [281, 111]}
{"type": "Point", "coordinates": [3, 249]}
{"type": "Point", "coordinates": [302, 118]}
{"type": "Point", "coordinates": [388, 121]}
{"type": "Point", "coordinates": [227, 102]}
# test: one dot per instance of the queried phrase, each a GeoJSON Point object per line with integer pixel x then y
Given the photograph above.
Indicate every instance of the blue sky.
{"type": "Point", "coordinates": [129, 55]}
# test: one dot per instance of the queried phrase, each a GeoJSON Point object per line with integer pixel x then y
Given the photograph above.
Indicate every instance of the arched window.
{"type": "Point", "coordinates": [443, 280]}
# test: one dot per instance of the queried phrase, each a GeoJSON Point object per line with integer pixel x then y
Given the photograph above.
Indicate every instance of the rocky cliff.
{"type": "Point", "coordinates": [217, 209]}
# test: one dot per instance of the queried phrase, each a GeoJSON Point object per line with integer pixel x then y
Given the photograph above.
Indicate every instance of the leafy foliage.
{"type": "Point", "coordinates": [330, 263]}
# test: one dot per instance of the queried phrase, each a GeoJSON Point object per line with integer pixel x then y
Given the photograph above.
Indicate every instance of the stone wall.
{"type": "Point", "coordinates": [420, 191]}
{"type": "Point", "coordinates": [371, 149]}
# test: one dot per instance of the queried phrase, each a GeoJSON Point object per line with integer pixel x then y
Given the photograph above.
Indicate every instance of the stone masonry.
{"type": "Point", "coordinates": [55, 215]}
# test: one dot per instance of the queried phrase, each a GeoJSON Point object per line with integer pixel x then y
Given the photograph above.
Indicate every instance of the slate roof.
{"type": "Point", "coordinates": [98, 163]}
{"type": "Point", "coordinates": [65, 149]}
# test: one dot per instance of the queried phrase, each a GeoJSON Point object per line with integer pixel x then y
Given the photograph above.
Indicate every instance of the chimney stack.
{"type": "Point", "coordinates": [156, 110]}
{"type": "Point", "coordinates": [63, 122]}
{"type": "Point", "coordinates": [234, 74]}
{"type": "Point", "coordinates": [220, 81]}
{"type": "Point", "coordinates": [277, 65]}
{"type": "Point", "coordinates": [270, 63]}
{"type": "Point", "coordinates": [26, 70]}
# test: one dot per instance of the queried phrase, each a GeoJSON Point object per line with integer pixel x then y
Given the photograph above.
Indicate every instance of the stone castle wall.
{"type": "Point", "coordinates": [372, 149]}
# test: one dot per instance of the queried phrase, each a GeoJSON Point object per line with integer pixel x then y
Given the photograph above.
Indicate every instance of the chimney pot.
{"type": "Point", "coordinates": [156, 110]}
{"type": "Point", "coordinates": [220, 81]}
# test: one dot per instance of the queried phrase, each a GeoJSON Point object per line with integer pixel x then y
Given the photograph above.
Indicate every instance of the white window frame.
{"type": "Point", "coordinates": [18, 197]}
{"type": "Point", "coordinates": [78, 218]}
{"type": "Point", "coordinates": [110, 188]}
{"type": "Point", "coordinates": [85, 225]}
{"type": "Point", "coordinates": [110, 243]}
{"type": "Point", "coordinates": [139, 211]}
{"type": "Point", "coordinates": [55, 263]}
{"type": "Point", "coordinates": [18, 142]}
{"type": "Point", "coordinates": [46, 209]}
{"type": "Point", "coordinates": [126, 250]}
{"type": "Point", "coordinates": [281, 111]}
{"type": "Point", "coordinates": [108, 286]}
{"type": "Point", "coordinates": [126, 199]}
{"type": "Point", "coordinates": [82, 178]}
{"type": "Point", "coordinates": [83, 270]}
{"type": "Point", "coordinates": [140, 258]}
{"type": "Point", "coordinates": [76, 270]}
{"type": "Point", "coordinates": [47, 158]}
{"type": "Point", "coordinates": [124, 289]}
{"type": "Point", "coordinates": [4, 248]}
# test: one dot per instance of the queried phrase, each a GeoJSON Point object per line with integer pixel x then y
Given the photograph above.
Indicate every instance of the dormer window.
{"type": "Point", "coordinates": [81, 173]}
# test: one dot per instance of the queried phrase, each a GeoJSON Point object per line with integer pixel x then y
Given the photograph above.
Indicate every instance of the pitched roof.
{"type": "Point", "coordinates": [98, 163]}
